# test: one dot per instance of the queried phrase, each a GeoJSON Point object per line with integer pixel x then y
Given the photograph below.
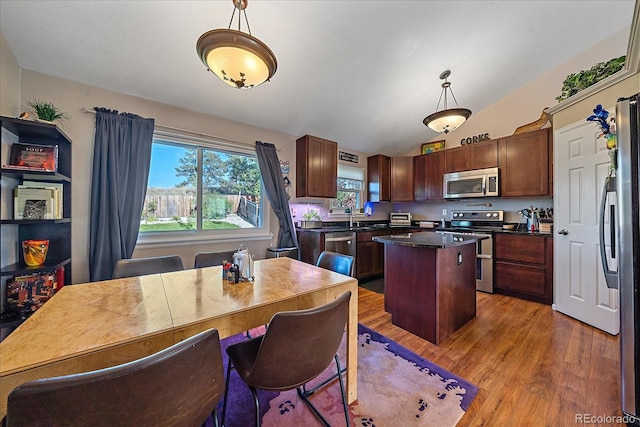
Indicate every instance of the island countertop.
{"type": "Point", "coordinates": [436, 240]}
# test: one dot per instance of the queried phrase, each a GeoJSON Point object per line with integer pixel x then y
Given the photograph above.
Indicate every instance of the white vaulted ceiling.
{"type": "Point", "coordinates": [364, 73]}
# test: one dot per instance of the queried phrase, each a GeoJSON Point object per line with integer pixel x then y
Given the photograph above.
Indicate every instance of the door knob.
{"type": "Point", "coordinates": [564, 232]}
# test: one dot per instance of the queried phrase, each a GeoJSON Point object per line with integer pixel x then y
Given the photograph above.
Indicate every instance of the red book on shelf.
{"type": "Point", "coordinates": [43, 158]}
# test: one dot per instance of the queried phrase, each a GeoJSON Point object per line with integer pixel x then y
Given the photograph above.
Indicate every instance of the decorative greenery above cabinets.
{"type": "Point", "coordinates": [574, 83]}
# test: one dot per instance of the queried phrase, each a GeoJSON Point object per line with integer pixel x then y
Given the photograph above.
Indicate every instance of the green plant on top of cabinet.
{"type": "Point", "coordinates": [525, 164]}
{"type": "Point", "coordinates": [402, 179]}
{"type": "Point", "coordinates": [316, 167]}
{"type": "Point", "coordinates": [481, 155]}
{"type": "Point", "coordinates": [379, 178]}
{"type": "Point", "coordinates": [427, 176]}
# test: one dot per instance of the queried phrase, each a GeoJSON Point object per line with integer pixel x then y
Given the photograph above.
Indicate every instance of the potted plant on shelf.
{"type": "Point", "coordinates": [46, 111]}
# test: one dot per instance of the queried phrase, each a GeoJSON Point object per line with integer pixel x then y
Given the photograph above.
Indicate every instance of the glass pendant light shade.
{"type": "Point", "coordinates": [447, 120]}
{"type": "Point", "coordinates": [238, 59]}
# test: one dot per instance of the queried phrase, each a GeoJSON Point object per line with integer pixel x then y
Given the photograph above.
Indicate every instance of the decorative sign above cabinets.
{"type": "Point", "coordinates": [347, 157]}
{"type": "Point", "coordinates": [473, 139]}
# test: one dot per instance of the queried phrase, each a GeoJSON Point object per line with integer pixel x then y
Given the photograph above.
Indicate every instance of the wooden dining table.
{"type": "Point", "coordinates": [95, 325]}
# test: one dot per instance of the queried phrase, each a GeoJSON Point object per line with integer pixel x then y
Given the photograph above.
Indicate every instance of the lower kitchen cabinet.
{"type": "Point", "coordinates": [524, 266]}
{"type": "Point", "coordinates": [369, 255]}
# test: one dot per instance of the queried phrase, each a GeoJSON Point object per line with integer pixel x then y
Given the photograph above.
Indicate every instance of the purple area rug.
{"type": "Point", "coordinates": [395, 387]}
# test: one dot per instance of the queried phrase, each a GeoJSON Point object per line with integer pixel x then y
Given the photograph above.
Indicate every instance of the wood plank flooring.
{"type": "Point", "coordinates": [534, 366]}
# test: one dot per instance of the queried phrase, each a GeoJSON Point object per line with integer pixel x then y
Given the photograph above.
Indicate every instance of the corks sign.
{"type": "Point", "coordinates": [348, 157]}
{"type": "Point", "coordinates": [473, 139]}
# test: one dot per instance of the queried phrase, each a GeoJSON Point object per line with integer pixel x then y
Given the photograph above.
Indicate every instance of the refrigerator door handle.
{"type": "Point", "coordinates": [611, 277]}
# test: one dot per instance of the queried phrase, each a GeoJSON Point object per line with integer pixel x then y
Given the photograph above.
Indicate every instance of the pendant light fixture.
{"type": "Point", "coordinates": [237, 58]}
{"type": "Point", "coordinates": [448, 119]}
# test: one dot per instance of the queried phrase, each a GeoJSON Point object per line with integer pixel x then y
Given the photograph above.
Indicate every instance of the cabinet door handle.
{"type": "Point", "coordinates": [564, 232]}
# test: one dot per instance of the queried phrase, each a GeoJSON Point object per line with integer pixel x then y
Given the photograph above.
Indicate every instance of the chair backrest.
{"type": "Point", "coordinates": [299, 345]}
{"type": "Point", "coordinates": [339, 263]}
{"type": "Point", "coordinates": [142, 266]}
{"type": "Point", "coordinates": [209, 259]}
{"type": "Point", "coordinates": [180, 385]}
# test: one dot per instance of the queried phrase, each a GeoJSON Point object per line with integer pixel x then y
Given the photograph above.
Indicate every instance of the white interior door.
{"type": "Point", "coordinates": [581, 164]}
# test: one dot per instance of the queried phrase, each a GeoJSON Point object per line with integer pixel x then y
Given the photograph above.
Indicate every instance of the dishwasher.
{"type": "Point", "coordinates": [342, 242]}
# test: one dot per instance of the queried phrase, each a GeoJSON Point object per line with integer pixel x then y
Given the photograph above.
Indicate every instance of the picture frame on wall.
{"type": "Point", "coordinates": [432, 147]}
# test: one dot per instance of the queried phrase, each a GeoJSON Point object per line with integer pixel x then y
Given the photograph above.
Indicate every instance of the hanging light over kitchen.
{"type": "Point", "coordinates": [237, 58]}
{"type": "Point", "coordinates": [448, 119]}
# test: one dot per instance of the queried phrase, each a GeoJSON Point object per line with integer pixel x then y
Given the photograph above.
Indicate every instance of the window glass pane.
{"type": "Point", "coordinates": [231, 191]}
{"type": "Point", "coordinates": [230, 183]}
{"type": "Point", "coordinates": [349, 194]}
{"type": "Point", "coordinates": [170, 204]}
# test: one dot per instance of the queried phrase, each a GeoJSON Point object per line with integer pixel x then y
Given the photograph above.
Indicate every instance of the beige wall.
{"type": "Point", "coordinates": [9, 106]}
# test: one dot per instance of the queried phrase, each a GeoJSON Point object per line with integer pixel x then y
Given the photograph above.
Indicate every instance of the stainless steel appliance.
{"type": "Point", "coordinates": [400, 219]}
{"type": "Point", "coordinates": [479, 223]}
{"type": "Point", "coordinates": [474, 183]}
{"type": "Point", "coordinates": [342, 242]}
{"type": "Point", "coordinates": [625, 230]}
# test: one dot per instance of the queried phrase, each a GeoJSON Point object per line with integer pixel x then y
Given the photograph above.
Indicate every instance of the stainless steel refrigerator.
{"type": "Point", "coordinates": [625, 230]}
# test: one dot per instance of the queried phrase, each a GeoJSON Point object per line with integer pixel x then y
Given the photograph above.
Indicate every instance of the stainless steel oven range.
{"type": "Point", "coordinates": [483, 223]}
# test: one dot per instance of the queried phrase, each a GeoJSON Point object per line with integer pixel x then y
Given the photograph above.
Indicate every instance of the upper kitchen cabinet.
{"type": "Point", "coordinates": [316, 167]}
{"type": "Point", "coordinates": [402, 179]}
{"type": "Point", "coordinates": [524, 164]}
{"type": "Point", "coordinates": [480, 155]}
{"type": "Point", "coordinates": [427, 176]}
{"type": "Point", "coordinates": [379, 178]}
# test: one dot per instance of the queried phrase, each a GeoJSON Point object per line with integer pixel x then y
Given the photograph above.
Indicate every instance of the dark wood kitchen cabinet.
{"type": "Point", "coordinates": [316, 167]}
{"type": "Point", "coordinates": [427, 176]}
{"type": "Point", "coordinates": [402, 179]}
{"type": "Point", "coordinates": [480, 155]}
{"type": "Point", "coordinates": [369, 255]}
{"type": "Point", "coordinates": [379, 178]}
{"type": "Point", "coordinates": [524, 266]}
{"type": "Point", "coordinates": [525, 164]}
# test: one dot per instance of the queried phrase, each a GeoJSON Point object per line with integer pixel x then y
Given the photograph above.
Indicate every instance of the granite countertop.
{"type": "Point", "coordinates": [429, 240]}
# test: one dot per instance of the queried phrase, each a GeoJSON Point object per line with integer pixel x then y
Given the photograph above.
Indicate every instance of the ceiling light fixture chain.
{"type": "Point", "coordinates": [240, 6]}
{"type": "Point", "coordinates": [239, 59]}
{"type": "Point", "coordinates": [447, 119]}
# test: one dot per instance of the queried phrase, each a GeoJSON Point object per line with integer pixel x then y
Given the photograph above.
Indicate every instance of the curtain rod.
{"type": "Point", "coordinates": [200, 134]}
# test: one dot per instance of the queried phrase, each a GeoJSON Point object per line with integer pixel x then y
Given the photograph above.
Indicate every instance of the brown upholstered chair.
{"type": "Point", "coordinates": [209, 259]}
{"type": "Point", "coordinates": [178, 386]}
{"type": "Point", "coordinates": [296, 348]}
{"type": "Point", "coordinates": [143, 266]}
{"type": "Point", "coordinates": [339, 263]}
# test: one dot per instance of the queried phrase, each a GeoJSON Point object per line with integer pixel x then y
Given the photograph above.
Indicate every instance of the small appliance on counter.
{"type": "Point", "coordinates": [400, 219]}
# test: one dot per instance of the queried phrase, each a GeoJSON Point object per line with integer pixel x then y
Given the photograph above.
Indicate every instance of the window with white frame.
{"type": "Point", "coordinates": [202, 187]}
{"type": "Point", "coordinates": [350, 189]}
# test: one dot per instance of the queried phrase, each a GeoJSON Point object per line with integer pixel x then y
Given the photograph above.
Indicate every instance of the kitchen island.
{"type": "Point", "coordinates": [430, 282]}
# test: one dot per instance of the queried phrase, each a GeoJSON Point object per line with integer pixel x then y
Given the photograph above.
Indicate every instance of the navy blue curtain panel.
{"type": "Point", "coordinates": [121, 160]}
{"type": "Point", "coordinates": [276, 192]}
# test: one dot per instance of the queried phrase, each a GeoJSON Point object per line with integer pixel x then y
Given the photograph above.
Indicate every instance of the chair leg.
{"type": "Point", "coordinates": [344, 395]}
{"type": "Point", "coordinates": [304, 395]}
{"type": "Point", "coordinates": [214, 414]}
{"type": "Point", "coordinates": [257, 404]}
{"type": "Point", "coordinates": [226, 392]}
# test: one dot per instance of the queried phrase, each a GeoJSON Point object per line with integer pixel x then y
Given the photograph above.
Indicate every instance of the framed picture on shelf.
{"type": "Point", "coordinates": [432, 147]}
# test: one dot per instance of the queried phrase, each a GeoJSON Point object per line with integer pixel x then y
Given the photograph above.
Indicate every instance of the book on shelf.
{"type": "Point", "coordinates": [28, 292]}
{"type": "Point", "coordinates": [58, 200]}
{"type": "Point", "coordinates": [33, 157]}
{"type": "Point", "coordinates": [46, 195]}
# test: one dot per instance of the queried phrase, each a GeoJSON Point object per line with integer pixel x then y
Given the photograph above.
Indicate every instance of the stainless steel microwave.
{"type": "Point", "coordinates": [474, 183]}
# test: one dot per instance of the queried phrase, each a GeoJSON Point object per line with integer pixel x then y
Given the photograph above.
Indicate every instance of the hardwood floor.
{"type": "Point", "coordinates": [534, 366]}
